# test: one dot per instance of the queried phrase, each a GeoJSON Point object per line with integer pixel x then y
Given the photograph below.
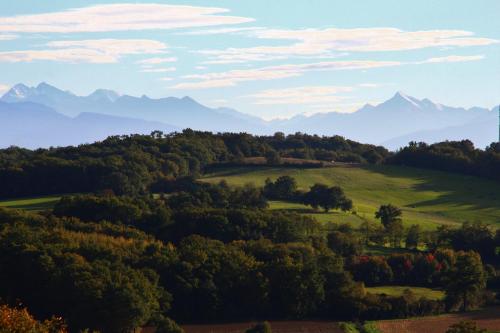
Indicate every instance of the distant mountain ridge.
{"type": "Point", "coordinates": [33, 125]}
{"type": "Point", "coordinates": [180, 112]}
{"type": "Point", "coordinates": [399, 116]}
{"type": "Point", "coordinates": [393, 123]}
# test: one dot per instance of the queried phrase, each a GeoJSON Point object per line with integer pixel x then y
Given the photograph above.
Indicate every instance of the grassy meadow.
{"type": "Point", "coordinates": [399, 290]}
{"type": "Point", "coordinates": [32, 204]}
{"type": "Point", "coordinates": [428, 198]}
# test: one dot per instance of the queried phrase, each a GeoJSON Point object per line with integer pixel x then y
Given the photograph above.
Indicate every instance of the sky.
{"type": "Point", "coordinates": [272, 59]}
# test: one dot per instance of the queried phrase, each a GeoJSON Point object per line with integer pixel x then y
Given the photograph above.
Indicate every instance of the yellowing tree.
{"type": "Point", "coordinates": [14, 320]}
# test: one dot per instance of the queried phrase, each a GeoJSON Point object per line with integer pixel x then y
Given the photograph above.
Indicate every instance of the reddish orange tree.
{"type": "Point", "coordinates": [18, 320]}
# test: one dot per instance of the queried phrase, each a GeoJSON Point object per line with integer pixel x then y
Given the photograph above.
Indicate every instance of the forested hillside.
{"type": "Point", "coordinates": [142, 236]}
{"type": "Point", "coordinates": [134, 164]}
{"type": "Point", "coordinates": [459, 157]}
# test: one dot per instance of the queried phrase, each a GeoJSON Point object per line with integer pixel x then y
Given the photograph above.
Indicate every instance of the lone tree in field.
{"type": "Point", "coordinates": [321, 195]}
{"type": "Point", "coordinates": [466, 279]}
{"type": "Point", "coordinates": [391, 218]}
{"type": "Point", "coordinates": [388, 215]}
{"type": "Point", "coordinates": [465, 327]}
{"type": "Point", "coordinates": [284, 188]}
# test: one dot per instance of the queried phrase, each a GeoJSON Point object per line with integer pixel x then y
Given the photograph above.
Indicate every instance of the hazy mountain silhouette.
{"type": "Point", "coordinates": [482, 130]}
{"type": "Point", "coordinates": [181, 112]}
{"type": "Point", "coordinates": [33, 125]}
{"type": "Point", "coordinates": [394, 122]}
{"type": "Point", "coordinates": [396, 117]}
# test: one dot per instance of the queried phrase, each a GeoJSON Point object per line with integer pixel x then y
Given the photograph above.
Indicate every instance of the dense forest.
{"type": "Point", "coordinates": [145, 243]}
{"type": "Point", "coordinates": [204, 253]}
{"type": "Point", "coordinates": [133, 164]}
{"type": "Point", "coordinates": [459, 157]}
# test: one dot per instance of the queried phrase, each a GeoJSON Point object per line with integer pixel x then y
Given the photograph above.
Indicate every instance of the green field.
{"type": "Point", "coordinates": [34, 204]}
{"type": "Point", "coordinates": [398, 291]}
{"type": "Point", "coordinates": [428, 198]}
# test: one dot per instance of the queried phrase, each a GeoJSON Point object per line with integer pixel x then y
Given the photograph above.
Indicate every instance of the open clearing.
{"type": "Point", "coordinates": [33, 204]}
{"type": "Point", "coordinates": [427, 197]}
{"type": "Point", "coordinates": [487, 319]}
{"type": "Point", "coordinates": [398, 291]}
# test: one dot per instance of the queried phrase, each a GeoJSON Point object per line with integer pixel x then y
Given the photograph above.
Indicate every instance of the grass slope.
{"type": "Point", "coordinates": [398, 291]}
{"type": "Point", "coordinates": [33, 204]}
{"type": "Point", "coordinates": [427, 197]}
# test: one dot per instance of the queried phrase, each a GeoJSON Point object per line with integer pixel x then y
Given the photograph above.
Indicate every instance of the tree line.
{"type": "Point", "coordinates": [451, 156]}
{"type": "Point", "coordinates": [136, 163]}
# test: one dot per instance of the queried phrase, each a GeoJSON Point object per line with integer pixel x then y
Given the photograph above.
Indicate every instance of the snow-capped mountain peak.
{"type": "Point", "coordinates": [20, 90]}
{"type": "Point", "coordinates": [402, 97]}
{"type": "Point", "coordinates": [104, 95]}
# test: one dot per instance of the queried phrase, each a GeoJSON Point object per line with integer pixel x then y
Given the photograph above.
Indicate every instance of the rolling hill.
{"type": "Point", "coordinates": [428, 198]}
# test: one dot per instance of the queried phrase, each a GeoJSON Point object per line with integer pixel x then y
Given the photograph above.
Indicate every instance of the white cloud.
{"type": "Point", "coordinates": [91, 51]}
{"type": "Point", "coordinates": [166, 79]}
{"type": "Point", "coordinates": [4, 88]}
{"type": "Point", "coordinates": [324, 42]}
{"type": "Point", "coordinates": [120, 17]}
{"type": "Point", "coordinates": [204, 84]}
{"type": "Point", "coordinates": [220, 31]}
{"type": "Point", "coordinates": [452, 58]}
{"type": "Point", "coordinates": [157, 61]}
{"type": "Point", "coordinates": [231, 78]}
{"type": "Point", "coordinates": [8, 36]}
{"type": "Point", "coordinates": [159, 70]}
{"type": "Point", "coordinates": [301, 95]}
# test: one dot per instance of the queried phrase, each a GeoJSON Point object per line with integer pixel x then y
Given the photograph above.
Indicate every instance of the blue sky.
{"type": "Point", "coordinates": [266, 58]}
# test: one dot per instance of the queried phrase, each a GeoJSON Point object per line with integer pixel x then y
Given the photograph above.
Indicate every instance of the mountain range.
{"type": "Point", "coordinates": [44, 116]}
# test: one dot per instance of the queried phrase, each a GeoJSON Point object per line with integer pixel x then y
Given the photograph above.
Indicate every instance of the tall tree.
{"type": "Point", "coordinates": [466, 279]}
{"type": "Point", "coordinates": [389, 214]}
{"type": "Point", "coordinates": [391, 218]}
{"type": "Point", "coordinates": [413, 237]}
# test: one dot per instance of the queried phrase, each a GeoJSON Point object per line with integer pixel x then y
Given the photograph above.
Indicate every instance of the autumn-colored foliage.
{"type": "Point", "coordinates": [19, 320]}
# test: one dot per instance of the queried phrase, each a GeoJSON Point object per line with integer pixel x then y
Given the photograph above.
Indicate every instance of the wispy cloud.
{"type": "Point", "coordinates": [120, 17]}
{"type": "Point", "coordinates": [8, 36]}
{"type": "Point", "coordinates": [231, 78]}
{"type": "Point", "coordinates": [157, 61]}
{"type": "Point", "coordinates": [4, 88]}
{"type": "Point", "coordinates": [220, 31]}
{"type": "Point", "coordinates": [159, 70]}
{"type": "Point", "coordinates": [301, 95]}
{"type": "Point", "coordinates": [452, 58]}
{"type": "Point", "coordinates": [91, 51]}
{"type": "Point", "coordinates": [325, 42]}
